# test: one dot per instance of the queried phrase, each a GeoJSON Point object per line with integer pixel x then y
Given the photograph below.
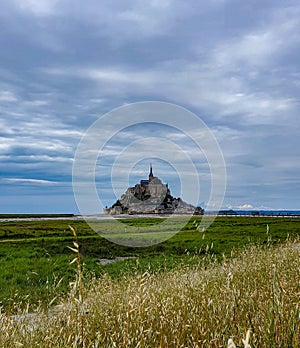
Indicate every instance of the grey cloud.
{"type": "Point", "coordinates": [233, 63]}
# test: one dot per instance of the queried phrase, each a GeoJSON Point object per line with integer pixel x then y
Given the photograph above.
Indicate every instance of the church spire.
{"type": "Point", "coordinates": [151, 173]}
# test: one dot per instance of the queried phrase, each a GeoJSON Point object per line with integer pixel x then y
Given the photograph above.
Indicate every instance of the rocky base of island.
{"type": "Point", "coordinates": [151, 196]}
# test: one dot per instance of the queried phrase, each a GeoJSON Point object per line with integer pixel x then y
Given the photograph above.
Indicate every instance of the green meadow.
{"type": "Point", "coordinates": [35, 255]}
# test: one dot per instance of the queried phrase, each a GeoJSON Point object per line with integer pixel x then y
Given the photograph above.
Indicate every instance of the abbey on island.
{"type": "Point", "coordinates": [151, 196]}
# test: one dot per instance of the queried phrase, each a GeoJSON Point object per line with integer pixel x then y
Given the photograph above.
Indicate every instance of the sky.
{"type": "Point", "coordinates": [64, 64]}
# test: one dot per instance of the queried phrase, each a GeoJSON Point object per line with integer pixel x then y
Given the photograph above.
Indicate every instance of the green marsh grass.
{"type": "Point", "coordinates": [34, 255]}
{"type": "Point", "coordinates": [251, 299]}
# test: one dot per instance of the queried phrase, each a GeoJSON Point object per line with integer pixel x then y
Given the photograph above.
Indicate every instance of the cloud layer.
{"type": "Point", "coordinates": [64, 63]}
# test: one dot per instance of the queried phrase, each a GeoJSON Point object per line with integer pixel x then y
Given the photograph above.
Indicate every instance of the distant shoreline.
{"type": "Point", "coordinates": [222, 213]}
{"type": "Point", "coordinates": [15, 215]}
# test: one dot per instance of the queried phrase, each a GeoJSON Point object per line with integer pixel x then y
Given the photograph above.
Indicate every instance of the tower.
{"type": "Point", "coordinates": [151, 173]}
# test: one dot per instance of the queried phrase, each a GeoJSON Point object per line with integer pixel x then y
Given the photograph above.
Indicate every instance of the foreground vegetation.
{"type": "Point", "coordinates": [34, 255]}
{"type": "Point", "coordinates": [203, 305]}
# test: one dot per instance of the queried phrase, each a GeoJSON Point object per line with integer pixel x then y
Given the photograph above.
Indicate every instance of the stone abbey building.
{"type": "Point", "coordinates": [151, 196]}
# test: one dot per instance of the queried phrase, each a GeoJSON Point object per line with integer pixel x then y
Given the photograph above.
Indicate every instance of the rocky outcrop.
{"type": "Point", "coordinates": [151, 196]}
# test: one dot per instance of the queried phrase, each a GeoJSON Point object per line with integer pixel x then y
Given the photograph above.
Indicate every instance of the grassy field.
{"type": "Point", "coordinates": [251, 299]}
{"type": "Point", "coordinates": [34, 255]}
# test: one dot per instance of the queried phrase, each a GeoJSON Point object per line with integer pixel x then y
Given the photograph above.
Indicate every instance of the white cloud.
{"type": "Point", "coordinates": [199, 84]}
{"type": "Point", "coordinates": [33, 145]}
{"type": "Point", "coordinates": [260, 47]}
{"type": "Point", "coordinates": [7, 96]}
{"type": "Point", "coordinates": [148, 18]}
{"type": "Point", "coordinates": [36, 103]}
{"type": "Point", "coordinates": [37, 7]}
{"type": "Point", "coordinates": [5, 146]}
{"type": "Point", "coordinates": [28, 181]}
{"type": "Point", "coordinates": [41, 159]}
{"type": "Point", "coordinates": [245, 206]}
{"type": "Point", "coordinates": [108, 74]}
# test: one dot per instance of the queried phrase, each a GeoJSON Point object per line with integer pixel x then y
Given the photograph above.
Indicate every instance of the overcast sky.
{"type": "Point", "coordinates": [233, 63]}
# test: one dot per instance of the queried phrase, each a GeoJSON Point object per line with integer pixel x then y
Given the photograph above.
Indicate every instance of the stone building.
{"type": "Point", "coordinates": [150, 196]}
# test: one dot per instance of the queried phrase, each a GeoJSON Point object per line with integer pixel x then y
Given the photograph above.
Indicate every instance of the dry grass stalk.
{"type": "Point", "coordinates": [185, 307]}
